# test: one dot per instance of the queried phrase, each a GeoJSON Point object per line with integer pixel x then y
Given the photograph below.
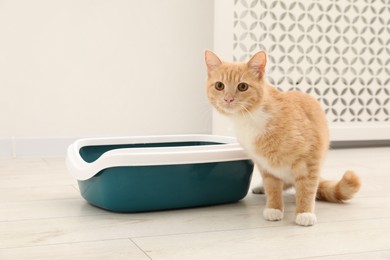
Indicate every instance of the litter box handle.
{"type": "Point", "coordinates": [78, 168]}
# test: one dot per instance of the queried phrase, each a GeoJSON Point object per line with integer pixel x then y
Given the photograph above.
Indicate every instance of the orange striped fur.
{"type": "Point", "coordinates": [285, 134]}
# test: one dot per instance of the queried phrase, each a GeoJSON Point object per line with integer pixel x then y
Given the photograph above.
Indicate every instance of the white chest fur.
{"type": "Point", "coordinates": [248, 129]}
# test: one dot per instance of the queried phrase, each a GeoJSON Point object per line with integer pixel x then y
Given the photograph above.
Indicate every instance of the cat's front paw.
{"type": "Point", "coordinates": [306, 219]}
{"type": "Point", "coordinates": [271, 214]}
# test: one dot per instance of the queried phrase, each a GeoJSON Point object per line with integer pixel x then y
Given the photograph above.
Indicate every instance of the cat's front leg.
{"type": "Point", "coordinates": [306, 188]}
{"type": "Point", "coordinates": [273, 189]}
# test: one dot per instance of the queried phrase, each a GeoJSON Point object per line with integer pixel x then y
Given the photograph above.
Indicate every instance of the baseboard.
{"type": "Point", "coordinates": [21, 147]}
{"type": "Point", "coordinates": [6, 148]}
{"type": "Point", "coordinates": [359, 144]}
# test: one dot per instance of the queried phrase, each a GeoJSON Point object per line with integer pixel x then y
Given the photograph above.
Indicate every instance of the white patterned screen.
{"type": "Point", "coordinates": [338, 51]}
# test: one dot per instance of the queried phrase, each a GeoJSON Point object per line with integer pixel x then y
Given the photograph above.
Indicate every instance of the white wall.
{"type": "Point", "coordinates": [97, 68]}
{"type": "Point", "coordinates": [223, 43]}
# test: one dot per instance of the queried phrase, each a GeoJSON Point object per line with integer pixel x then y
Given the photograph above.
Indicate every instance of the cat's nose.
{"type": "Point", "coordinates": [229, 99]}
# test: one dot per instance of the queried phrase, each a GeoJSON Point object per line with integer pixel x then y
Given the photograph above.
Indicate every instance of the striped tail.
{"type": "Point", "coordinates": [339, 191]}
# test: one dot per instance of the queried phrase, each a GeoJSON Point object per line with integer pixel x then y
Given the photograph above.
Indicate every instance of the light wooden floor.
{"type": "Point", "coordinates": [42, 216]}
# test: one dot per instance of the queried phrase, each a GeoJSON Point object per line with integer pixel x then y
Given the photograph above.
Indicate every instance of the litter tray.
{"type": "Point", "coordinates": [149, 173]}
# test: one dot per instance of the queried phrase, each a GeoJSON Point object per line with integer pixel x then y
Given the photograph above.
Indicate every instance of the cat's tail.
{"type": "Point", "coordinates": [339, 191]}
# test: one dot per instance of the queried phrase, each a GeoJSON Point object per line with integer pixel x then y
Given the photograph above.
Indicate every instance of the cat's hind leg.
{"type": "Point", "coordinates": [260, 188]}
{"type": "Point", "coordinates": [273, 189]}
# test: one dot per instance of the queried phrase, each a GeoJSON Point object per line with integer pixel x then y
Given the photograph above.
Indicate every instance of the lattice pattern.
{"type": "Point", "coordinates": [338, 51]}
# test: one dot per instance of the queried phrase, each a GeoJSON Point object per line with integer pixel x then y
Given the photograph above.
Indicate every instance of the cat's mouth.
{"type": "Point", "coordinates": [230, 108]}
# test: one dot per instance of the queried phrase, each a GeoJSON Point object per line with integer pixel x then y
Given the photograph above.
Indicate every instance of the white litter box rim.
{"type": "Point", "coordinates": [228, 149]}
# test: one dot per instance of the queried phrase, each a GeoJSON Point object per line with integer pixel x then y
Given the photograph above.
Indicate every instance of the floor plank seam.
{"type": "Point", "coordinates": [52, 218]}
{"type": "Point", "coordinates": [344, 254]}
{"type": "Point", "coordinates": [143, 251]}
{"type": "Point", "coordinates": [65, 243]}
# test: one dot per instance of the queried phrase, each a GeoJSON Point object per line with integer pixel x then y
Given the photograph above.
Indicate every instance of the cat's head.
{"type": "Point", "coordinates": [235, 88]}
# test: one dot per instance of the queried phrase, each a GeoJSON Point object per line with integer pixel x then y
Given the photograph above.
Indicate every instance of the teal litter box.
{"type": "Point", "coordinates": [135, 174]}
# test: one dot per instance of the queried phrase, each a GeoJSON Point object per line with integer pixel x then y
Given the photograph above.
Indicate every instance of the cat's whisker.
{"type": "Point", "coordinates": [248, 113]}
{"type": "Point", "coordinates": [206, 114]}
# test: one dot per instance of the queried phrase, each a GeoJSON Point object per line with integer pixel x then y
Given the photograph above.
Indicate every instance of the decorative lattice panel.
{"type": "Point", "coordinates": [338, 51]}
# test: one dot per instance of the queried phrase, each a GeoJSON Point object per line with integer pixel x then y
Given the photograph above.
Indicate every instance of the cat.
{"type": "Point", "coordinates": [284, 133]}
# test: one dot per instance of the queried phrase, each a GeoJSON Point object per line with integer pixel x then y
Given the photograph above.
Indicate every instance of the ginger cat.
{"type": "Point", "coordinates": [284, 133]}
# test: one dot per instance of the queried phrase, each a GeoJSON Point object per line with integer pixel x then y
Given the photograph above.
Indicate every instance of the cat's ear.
{"type": "Point", "coordinates": [257, 63]}
{"type": "Point", "coordinates": [212, 60]}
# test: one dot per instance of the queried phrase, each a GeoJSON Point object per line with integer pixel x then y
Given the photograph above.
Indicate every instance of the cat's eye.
{"type": "Point", "coordinates": [242, 87]}
{"type": "Point", "coordinates": [219, 86]}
